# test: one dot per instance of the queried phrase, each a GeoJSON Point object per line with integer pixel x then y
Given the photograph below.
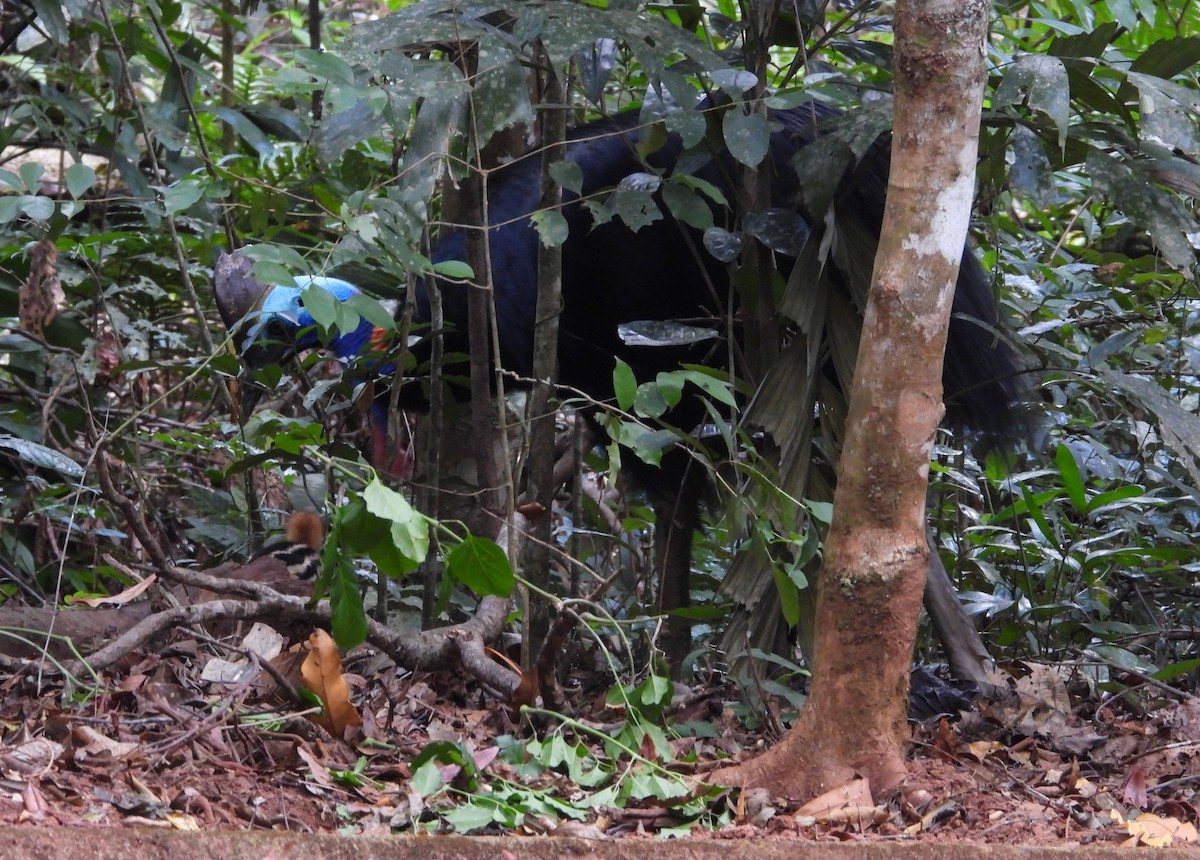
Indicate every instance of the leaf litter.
{"type": "Point", "coordinates": [317, 741]}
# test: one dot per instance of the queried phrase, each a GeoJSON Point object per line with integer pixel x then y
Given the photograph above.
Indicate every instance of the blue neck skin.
{"type": "Point", "coordinates": [283, 315]}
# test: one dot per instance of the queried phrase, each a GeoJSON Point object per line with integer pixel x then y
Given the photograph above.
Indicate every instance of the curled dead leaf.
{"type": "Point", "coordinates": [1156, 831]}
{"type": "Point", "coordinates": [32, 757]}
{"type": "Point", "coordinates": [124, 597]}
{"type": "Point", "coordinates": [89, 744]}
{"type": "Point", "coordinates": [321, 673]}
{"type": "Point", "coordinates": [855, 793]}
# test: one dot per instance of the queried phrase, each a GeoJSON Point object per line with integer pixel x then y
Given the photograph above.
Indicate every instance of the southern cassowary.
{"type": "Point", "coordinates": [613, 275]}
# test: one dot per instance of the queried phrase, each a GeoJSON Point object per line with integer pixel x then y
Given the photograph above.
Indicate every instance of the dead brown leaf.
{"type": "Point", "coordinates": [1156, 831]}
{"type": "Point", "coordinates": [854, 795]}
{"type": "Point", "coordinates": [1133, 792]}
{"type": "Point", "coordinates": [322, 675]}
{"type": "Point", "coordinates": [124, 597]}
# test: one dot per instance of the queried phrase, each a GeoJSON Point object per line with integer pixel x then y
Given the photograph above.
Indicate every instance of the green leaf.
{"type": "Point", "coordinates": [42, 457]}
{"type": "Point", "coordinates": [718, 389]}
{"type": "Point", "coordinates": [650, 401]}
{"type": "Point", "coordinates": [390, 561]}
{"type": "Point", "coordinates": [410, 528]}
{"type": "Point", "coordinates": [52, 20]}
{"type": "Point", "coordinates": [1175, 670]}
{"type": "Point", "coordinates": [322, 306]}
{"type": "Point", "coordinates": [501, 97]}
{"type": "Point", "coordinates": [182, 195]}
{"type": "Point", "coordinates": [822, 512]}
{"type": "Point", "coordinates": [80, 178]}
{"type": "Point", "coordinates": [656, 691]}
{"type": "Point", "coordinates": [10, 208]}
{"type": "Point", "coordinates": [1146, 204]}
{"type": "Point", "coordinates": [789, 597]}
{"type": "Point", "coordinates": [245, 127]}
{"type": "Point", "coordinates": [7, 177]}
{"type": "Point", "coordinates": [456, 270]}
{"type": "Point", "coordinates": [648, 444]}
{"type": "Point", "coordinates": [568, 174]}
{"type": "Point", "coordinates": [325, 65]}
{"type": "Point", "coordinates": [37, 207]}
{"type": "Point", "coordinates": [476, 813]}
{"type": "Point", "coordinates": [1033, 506]}
{"type": "Point", "coordinates": [348, 618]}
{"type": "Point", "coordinates": [662, 752]}
{"type": "Point", "coordinates": [1123, 658]}
{"type": "Point", "coordinates": [624, 385]}
{"type": "Point", "coordinates": [371, 310]}
{"type": "Point", "coordinates": [1068, 470]}
{"type": "Point", "coordinates": [670, 386]}
{"type": "Point", "coordinates": [427, 779]}
{"type": "Point", "coordinates": [482, 566]}
{"type": "Point", "coordinates": [31, 174]}
{"type": "Point", "coordinates": [551, 227]}
{"type": "Point", "coordinates": [1041, 81]}
{"type": "Point", "coordinates": [747, 135]}
{"type": "Point", "coordinates": [636, 208]}
{"type": "Point", "coordinates": [1166, 58]}
{"type": "Point", "coordinates": [687, 206]}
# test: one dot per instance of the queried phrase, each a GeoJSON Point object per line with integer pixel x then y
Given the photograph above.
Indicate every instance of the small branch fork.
{"type": "Point", "coordinates": [456, 645]}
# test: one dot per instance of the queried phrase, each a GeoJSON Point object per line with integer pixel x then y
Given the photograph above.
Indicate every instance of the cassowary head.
{"type": "Point", "coordinates": [270, 325]}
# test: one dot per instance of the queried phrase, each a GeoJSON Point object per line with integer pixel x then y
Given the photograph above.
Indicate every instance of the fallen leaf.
{"type": "Point", "coordinates": [1045, 686]}
{"type": "Point", "coordinates": [979, 750]}
{"type": "Point", "coordinates": [36, 756]}
{"type": "Point", "coordinates": [218, 671]}
{"type": "Point", "coordinates": [124, 597]}
{"type": "Point", "coordinates": [1158, 832]}
{"type": "Point", "coordinates": [183, 821]}
{"type": "Point", "coordinates": [1133, 792]}
{"type": "Point", "coordinates": [321, 672]}
{"type": "Point", "coordinates": [852, 794]}
{"type": "Point", "coordinates": [89, 743]}
{"type": "Point", "coordinates": [320, 773]}
{"type": "Point", "coordinates": [263, 640]}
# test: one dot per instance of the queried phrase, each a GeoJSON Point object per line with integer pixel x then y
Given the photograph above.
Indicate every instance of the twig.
{"type": "Point", "coordinates": [460, 645]}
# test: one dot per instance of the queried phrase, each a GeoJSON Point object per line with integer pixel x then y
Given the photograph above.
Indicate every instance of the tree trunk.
{"type": "Point", "coordinates": [869, 589]}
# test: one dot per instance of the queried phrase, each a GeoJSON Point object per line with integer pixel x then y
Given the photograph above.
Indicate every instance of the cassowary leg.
{"type": "Point", "coordinates": [677, 516]}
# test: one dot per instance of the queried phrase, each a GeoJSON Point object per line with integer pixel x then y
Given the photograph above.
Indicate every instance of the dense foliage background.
{"type": "Point", "coordinates": [140, 140]}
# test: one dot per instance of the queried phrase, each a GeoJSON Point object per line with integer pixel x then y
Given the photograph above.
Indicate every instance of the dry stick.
{"type": "Point", "coordinates": [391, 429]}
{"type": "Point", "coordinates": [226, 395]}
{"type": "Point", "coordinates": [314, 44]}
{"type": "Point", "coordinates": [176, 245]}
{"type": "Point", "coordinates": [552, 647]}
{"type": "Point", "coordinates": [431, 447]}
{"type": "Point", "coordinates": [539, 415]}
{"type": "Point", "coordinates": [460, 644]}
{"type": "Point", "coordinates": [289, 690]}
{"type": "Point", "coordinates": [472, 197]}
{"type": "Point", "coordinates": [430, 649]}
{"type": "Point", "coordinates": [217, 713]}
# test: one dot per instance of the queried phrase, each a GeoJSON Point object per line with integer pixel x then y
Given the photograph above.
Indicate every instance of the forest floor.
{"type": "Point", "coordinates": [166, 743]}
